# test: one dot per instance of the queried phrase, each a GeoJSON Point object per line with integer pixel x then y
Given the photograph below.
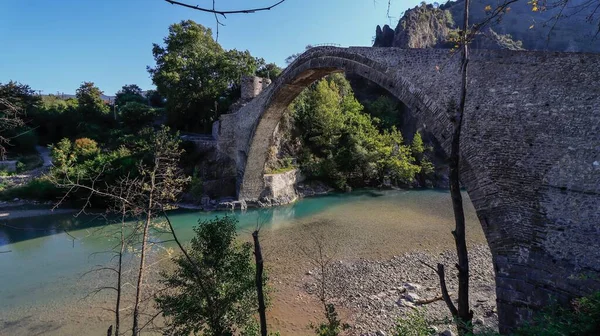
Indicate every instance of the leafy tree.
{"type": "Point", "coordinates": [136, 116]}
{"type": "Point", "coordinates": [89, 99]}
{"type": "Point", "coordinates": [270, 70]}
{"type": "Point", "coordinates": [55, 119]}
{"type": "Point", "coordinates": [223, 275]}
{"type": "Point", "coordinates": [20, 96]}
{"type": "Point", "coordinates": [342, 143]}
{"type": "Point", "coordinates": [196, 75]}
{"type": "Point", "coordinates": [155, 99]}
{"type": "Point", "coordinates": [16, 102]}
{"type": "Point", "coordinates": [130, 93]}
{"type": "Point", "coordinates": [387, 110]}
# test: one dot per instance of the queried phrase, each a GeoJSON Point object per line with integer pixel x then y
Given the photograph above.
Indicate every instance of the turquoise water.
{"type": "Point", "coordinates": [49, 254]}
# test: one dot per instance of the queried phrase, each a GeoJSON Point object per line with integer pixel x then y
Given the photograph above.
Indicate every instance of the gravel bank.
{"type": "Point", "coordinates": [379, 292]}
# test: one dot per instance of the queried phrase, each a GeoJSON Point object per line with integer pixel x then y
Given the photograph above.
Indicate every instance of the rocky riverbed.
{"type": "Point", "coordinates": [377, 292]}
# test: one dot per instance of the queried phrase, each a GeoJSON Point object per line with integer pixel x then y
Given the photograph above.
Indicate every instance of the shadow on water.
{"type": "Point", "coordinates": [21, 229]}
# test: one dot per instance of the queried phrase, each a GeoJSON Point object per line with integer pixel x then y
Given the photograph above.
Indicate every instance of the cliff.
{"type": "Point", "coordinates": [428, 26]}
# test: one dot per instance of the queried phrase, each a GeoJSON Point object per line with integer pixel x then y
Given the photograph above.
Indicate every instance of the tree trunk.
{"type": "Point", "coordinates": [119, 279]}
{"type": "Point", "coordinates": [465, 315]}
{"type": "Point", "coordinates": [259, 284]}
{"type": "Point", "coordinates": [140, 280]}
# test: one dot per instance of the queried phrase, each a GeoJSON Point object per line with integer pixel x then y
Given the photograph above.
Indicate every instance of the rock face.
{"type": "Point", "coordinates": [281, 188]}
{"type": "Point", "coordinates": [423, 27]}
{"type": "Point", "coordinates": [426, 26]}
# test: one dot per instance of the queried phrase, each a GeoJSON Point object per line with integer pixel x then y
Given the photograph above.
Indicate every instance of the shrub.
{"type": "Point", "coordinates": [85, 147]}
{"type": "Point", "coordinates": [36, 189]}
{"type": "Point", "coordinates": [413, 324]}
{"type": "Point", "coordinates": [224, 273]}
{"type": "Point", "coordinates": [582, 318]}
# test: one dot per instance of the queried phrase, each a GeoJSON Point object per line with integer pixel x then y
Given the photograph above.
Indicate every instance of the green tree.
{"type": "Point", "coordinates": [270, 70]}
{"type": "Point", "coordinates": [89, 100]}
{"type": "Point", "coordinates": [342, 143]}
{"type": "Point", "coordinates": [387, 110]}
{"type": "Point", "coordinates": [21, 96]}
{"type": "Point", "coordinates": [130, 93]}
{"type": "Point", "coordinates": [136, 116]}
{"type": "Point", "coordinates": [223, 275]}
{"type": "Point", "coordinates": [55, 119]}
{"type": "Point", "coordinates": [197, 76]}
{"type": "Point", "coordinates": [155, 99]}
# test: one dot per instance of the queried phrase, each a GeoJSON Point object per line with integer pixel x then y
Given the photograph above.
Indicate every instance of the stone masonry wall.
{"type": "Point", "coordinates": [530, 153]}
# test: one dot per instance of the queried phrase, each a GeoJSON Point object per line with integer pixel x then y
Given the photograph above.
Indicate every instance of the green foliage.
{"type": "Point", "coordinates": [155, 99]}
{"type": "Point", "coordinates": [130, 94]}
{"type": "Point", "coordinates": [196, 187]}
{"type": "Point", "coordinates": [89, 100]}
{"type": "Point", "coordinates": [387, 110]}
{"type": "Point", "coordinates": [333, 326]}
{"type": "Point", "coordinates": [413, 323]}
{"type": "Point", "coordinates": [197, 76]}
{"type": "Point", "coordinates": [581, 319]}
{"type": "Point", "coordinates": [20, 95]}
{"type": "Point", "coordinates": [30, 161]}
{"type": "Point", "coordinates": [85, 147]}
{"type": "Point", "coordinates": [342, 144]}
{"type": "Point", "coordinates": [270, 70]}
{"type": "Point", "coordinates": [84, 161]}
{"type": "Point", "coordinates": [221, 299]}
{"type": "Point", "coordinates": [281, 166]}
{"type": "Point", "coordinates": [24, 140]}
{"type": "Point", "coordinates": [36, 189]}
{"type": "Point", "coordinates": [136, 116]}
{"type": "Point", "coordinates": [55, 119]}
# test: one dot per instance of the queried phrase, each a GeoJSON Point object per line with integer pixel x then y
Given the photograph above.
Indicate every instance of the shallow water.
{"type": "Point", "coordinates": [49, 254]}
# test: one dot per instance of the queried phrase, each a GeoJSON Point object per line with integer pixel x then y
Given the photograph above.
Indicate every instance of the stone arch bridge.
{"type": "Point", "coordinates": [530, 152]}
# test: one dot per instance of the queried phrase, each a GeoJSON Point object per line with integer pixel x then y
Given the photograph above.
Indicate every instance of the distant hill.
{"type": "Point", "coordinates": [67, 96]}
{"type": "Point", "coordinates": [429, 26]}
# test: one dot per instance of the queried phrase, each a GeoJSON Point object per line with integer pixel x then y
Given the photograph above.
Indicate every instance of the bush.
{"type": "Point", "coordinates": [135, 116]}
{"type": "Point", "coordinates": [413, 324]}
{"type": "Point", "coordinates": [582, 318]}
{"type": "Point", "coordinates": [36, 189]}
{"type": "Point", "coordinates": [224, 273]}
{"type": "Point", "coordinates": [85, 147]}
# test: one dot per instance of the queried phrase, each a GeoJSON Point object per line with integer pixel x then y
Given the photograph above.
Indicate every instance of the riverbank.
{"type": "Point", "coordinates": [364, 230]}
{"type": "Point", "coordinates": [23, 209]}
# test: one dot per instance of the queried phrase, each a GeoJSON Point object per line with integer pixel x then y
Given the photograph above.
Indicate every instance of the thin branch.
{"type": "Point", "coordinates": [224, 13]}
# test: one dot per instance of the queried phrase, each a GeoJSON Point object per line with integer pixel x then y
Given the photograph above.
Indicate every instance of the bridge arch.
{"type": "Point", "coordinates": [530, 153]}
{"type": "Point", "coordinates": [312, 66]}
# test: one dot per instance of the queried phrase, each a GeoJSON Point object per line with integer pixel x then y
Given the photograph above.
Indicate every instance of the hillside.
{"type": "Point", "coordinates": [429, 26]}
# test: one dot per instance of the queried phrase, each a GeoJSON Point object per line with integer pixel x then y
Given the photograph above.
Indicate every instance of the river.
{"type": "Point", "coordinates": [41, 282]}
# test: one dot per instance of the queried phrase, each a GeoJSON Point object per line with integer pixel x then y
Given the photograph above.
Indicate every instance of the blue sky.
{"type": "Point", "coordinates": [54, 45]}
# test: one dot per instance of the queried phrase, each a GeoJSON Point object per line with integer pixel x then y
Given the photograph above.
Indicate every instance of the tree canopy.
{"type": "Point", "coordinates": [197, 76]}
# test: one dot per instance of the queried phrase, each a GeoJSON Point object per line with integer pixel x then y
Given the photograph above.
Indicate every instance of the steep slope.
{"type": "Point", "coordinates": [428, 26]}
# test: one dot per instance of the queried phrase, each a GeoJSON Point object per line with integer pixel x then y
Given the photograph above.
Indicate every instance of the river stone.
{"type": "Point", "coordinates": [412, 297]}
{"type": "Point", "coordinates": [412, 286]}
{"type": "Point", "coordinates": [447, 332]}
{"type": "Point", "coordinates": [404, 303]}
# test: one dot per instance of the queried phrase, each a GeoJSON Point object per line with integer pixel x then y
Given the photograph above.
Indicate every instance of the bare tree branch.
{"type": "Point", "coordinates": [224, 13]}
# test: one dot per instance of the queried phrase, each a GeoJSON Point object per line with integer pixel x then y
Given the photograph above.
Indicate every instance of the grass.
{"type": "Point", "coordinates": [29, 162]}
{"type": "Point", "coordinates": [36, 189]}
